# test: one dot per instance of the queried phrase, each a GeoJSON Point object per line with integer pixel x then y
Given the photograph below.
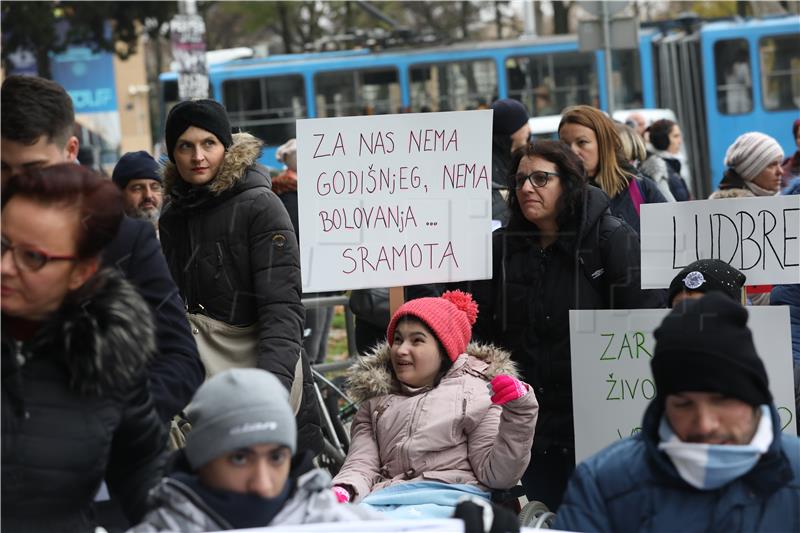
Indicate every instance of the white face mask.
{"type": "Point", "coordinates": [710, 466]}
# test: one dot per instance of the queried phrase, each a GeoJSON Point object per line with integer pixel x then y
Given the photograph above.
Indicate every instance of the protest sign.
{"type": "Point", "coordinates": [611, 380]}
{"type": "Point", "coordinates": [759, 236]}
{"type": "Point", "coordinates": [394, 200]}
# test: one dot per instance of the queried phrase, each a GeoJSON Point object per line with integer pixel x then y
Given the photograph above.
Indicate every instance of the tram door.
{"type": "Point", "coordinates": [679, 86]}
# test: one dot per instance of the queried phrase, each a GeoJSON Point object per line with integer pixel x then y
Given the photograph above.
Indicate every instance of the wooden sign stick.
{"type": "Point", "coordinates": [396, 299]}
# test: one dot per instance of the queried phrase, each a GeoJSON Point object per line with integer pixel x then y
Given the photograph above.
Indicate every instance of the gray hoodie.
{"type": "Point", "coordinates": [177, 508]}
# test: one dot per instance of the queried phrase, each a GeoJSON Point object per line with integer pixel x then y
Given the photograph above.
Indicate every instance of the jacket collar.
{"type": "Point", "coordinates": [372, 374]}
{"type": "Point", "coordinates": [103, 333]}
{"type": "Point", "coordinates": [770, 473]}
{"type": "Point", "coordinates": [243, 153]}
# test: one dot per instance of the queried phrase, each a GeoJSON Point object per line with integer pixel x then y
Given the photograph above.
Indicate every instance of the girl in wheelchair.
{"type": "Point", "coordinates": [439, 418]}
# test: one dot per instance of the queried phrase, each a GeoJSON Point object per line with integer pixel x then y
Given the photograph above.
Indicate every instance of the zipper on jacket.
{"type": "Point", "coordinates": [407, 469]}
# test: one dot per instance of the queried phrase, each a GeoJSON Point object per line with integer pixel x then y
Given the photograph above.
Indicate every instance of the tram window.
{"type": "Point", "coordinates": [780, 72]}
{"type": "Point", "coordinates": [357, 92]}
{"type": "Point", "coordinates": [453, 86]}
{"type": "Point", "coordinates": [548, 83]}
{"type": "Point", "coordinates": [627, 77]}
{"type": "Point", "coordinates": [734, 81]}
{"type": "Point", "coordinates": [266, 107]}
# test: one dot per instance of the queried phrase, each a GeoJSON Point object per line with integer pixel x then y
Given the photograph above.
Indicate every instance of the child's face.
{"type": "Point", "coordinates": [261, 469]}
{"type": "Point", "coordinates": [415, 354]}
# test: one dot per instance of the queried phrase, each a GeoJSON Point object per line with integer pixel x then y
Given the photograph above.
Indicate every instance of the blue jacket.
{"type": "Point", "coordinates": [790, 295]}
{"type": "Point", "coordinates": [632, 486]}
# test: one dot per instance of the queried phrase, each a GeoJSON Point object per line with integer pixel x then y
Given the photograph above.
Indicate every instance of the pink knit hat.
{"type": "Point", "coordinates": [450, 318]}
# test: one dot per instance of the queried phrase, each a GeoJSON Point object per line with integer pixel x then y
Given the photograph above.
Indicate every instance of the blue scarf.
{"type": "Point", "coordinates": [239, 510]}
{"type": "Point", "coordinates": [710, 466]}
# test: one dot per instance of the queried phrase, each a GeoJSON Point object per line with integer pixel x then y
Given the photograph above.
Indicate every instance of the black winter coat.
{"type": "Point", "coordinates": [76, 409]}
{"type": "Point", "coordinates": [232, 251]}
{"type": "Point", "coordinates": [525, 307]}
{"type": "Point", "coordinates": [176, 371]}
{"type": "Point", "coordinates": [622, 204]}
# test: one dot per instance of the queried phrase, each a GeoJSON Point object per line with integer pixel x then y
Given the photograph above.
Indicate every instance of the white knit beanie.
{"type": "Point", "coordinates": [751, 153]}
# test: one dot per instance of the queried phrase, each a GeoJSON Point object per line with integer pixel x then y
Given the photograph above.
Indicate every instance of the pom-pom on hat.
{"type": "Point", "coordinates": [751, 153]}
{"type": "Point", "coordinates": [450, 318]}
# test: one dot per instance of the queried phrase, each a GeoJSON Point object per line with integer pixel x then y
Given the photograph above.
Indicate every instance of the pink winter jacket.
{"type": "Point", "coordinates": [451, 433]}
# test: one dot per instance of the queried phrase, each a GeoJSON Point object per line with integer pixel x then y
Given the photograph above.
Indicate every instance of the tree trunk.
{"type": "Point", "coordinates": [498, 19]}
{"type": "Point", "coordinates": [465, 9]}
{"type": "Point", "coordinates": [742, 8]}
{"type": "Point", "coordinates": [286, 32]}
{"type": "Point", "coordinates": [560, 17]}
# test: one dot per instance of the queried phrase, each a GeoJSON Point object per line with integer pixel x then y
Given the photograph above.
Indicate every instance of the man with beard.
{"type": "Point", "coordinates": [137, 175]}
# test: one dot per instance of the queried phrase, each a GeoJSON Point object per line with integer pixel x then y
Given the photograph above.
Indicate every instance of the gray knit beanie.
{"type": "Point", "coordinates": [751, 153]}
{"type": "Point", "coordinates": [235, 409]}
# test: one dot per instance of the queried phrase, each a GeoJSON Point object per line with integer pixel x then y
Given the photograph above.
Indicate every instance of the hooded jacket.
{"type": "Point", "coordinates": [176, 507]}
{"type": "Point", "coordinates": [76, 409]}
{"type": "Point", "coordinates": [594, 264]}
{"type": "Point", "coordinates": [450, 433]}
{"type": "Point", "coordinates": [633, 486]}
{"type": "Point", "coordinates": [232, 251]}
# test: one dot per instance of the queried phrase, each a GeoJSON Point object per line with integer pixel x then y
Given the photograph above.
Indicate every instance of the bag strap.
{"type": "Point", "coordinates": [636, 195]}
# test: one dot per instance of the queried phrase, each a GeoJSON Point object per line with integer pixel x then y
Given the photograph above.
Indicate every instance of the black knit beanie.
{"type": "Point", "coordinates": [509, 116]}
{"type": "Point", "coordinates": [204, 114]}
{"type": "Point", "coordinates": [705, 345]}
{"type": "Point", "coordinates": [708, 275]}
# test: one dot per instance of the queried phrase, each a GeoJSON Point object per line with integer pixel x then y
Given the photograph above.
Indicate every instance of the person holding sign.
{"type": "Point", "coordinates": [562, 250]}
{"type": "Point", "coordinates": [233, 253]}
{"type": "Point", "coordinates": [711, 455]}
{"type": "Point", "coordinates": [440, 418]}
{"type": "Point", "coordinates": [592, 136]}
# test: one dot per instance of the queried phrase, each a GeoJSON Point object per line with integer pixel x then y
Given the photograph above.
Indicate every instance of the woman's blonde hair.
{"type": "Point", "coordinates": [633, 147]}
{"type": "Point", "coordinates": [610, 175]}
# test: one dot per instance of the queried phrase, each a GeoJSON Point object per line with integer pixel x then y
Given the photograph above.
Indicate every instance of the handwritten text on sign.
{"type": "Point", "coordinates": [759, 236]}
{"type": "Point", "coordinates": [611, 380]}
{"type": "Point", "coordinates": [394, 199]}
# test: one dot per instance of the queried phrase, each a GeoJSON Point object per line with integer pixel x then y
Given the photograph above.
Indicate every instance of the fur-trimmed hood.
{"type": "Point", "coordinates": [243, 153]}
{"type": "Point", "coordinates": [372, 374]}
{"type": "Point", "coordinates": [103, 333]}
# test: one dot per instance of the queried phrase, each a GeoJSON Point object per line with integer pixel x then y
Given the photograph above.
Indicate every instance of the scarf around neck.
{"type": "Point", "coordinates": [710, 466]}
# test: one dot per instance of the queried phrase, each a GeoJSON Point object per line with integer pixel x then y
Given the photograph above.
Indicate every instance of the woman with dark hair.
{"type": "Point", "coordinates": [232, 251]}
{"type": "Point", "coordinates": [76, 341]}
{"type": "Point", "coordinates": [562, 250]}
{"type": "Point", "coordinates": [592, 137]}
{"type": "Point", "coordinates": [663, 166]}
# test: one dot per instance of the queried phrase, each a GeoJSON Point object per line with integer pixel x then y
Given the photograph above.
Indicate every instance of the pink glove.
{"type": "Point", "coordinates": [506, 388]}
{"type": "Point", "coordinates": [342, 494]}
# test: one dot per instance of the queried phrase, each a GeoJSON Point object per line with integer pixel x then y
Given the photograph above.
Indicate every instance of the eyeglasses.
{"type": "Point", "coordinates": [537, 179]}
{"type": "Point", "coordinates": [31, 259]}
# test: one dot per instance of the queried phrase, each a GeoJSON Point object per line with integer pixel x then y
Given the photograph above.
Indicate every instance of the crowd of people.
{"type": "Point", "coordinates": [154, 342]}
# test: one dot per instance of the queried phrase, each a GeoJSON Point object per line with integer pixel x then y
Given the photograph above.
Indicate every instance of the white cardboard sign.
{"type": "Point", "coordinates": [611, 380]}
{"type": "Point", "coordinates": [394, 200]}
{"type": "Point", "coordinates": [759, 236]}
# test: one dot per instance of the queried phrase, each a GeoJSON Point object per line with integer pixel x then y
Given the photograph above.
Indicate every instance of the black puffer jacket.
{"type": "Point", "coordinates": [233, 253]}
{"type": "Point", "coordinates": [76, 409]}
{"type": "Point", "coordinates": [525, 307]}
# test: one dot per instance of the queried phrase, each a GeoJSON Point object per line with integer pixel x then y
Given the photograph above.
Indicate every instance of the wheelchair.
{"type": "Point", "coordinates": [337, 412]}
